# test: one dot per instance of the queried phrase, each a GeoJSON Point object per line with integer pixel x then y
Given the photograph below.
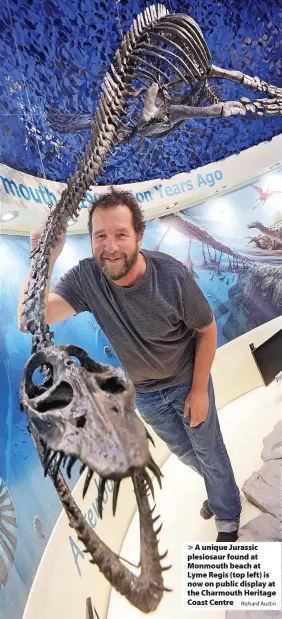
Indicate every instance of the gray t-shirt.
{"type": "Point", "coordinates": [151, 325]}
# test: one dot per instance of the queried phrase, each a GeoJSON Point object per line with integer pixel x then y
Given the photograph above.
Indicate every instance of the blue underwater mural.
{"type": "Point", "coordinates": [233, 247]}
{"type": "Point", "coordinates": [54, 55]}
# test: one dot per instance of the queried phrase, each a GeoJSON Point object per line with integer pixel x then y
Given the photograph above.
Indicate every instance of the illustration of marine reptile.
{"type": "Point", "coordinates": [179, 221]}
{"type": "Point", "coordinates": [272, 235]}
{"type": "Point", "coordinates": [86, 412]}
{"type": "Point", "coordinates": [262, 242]}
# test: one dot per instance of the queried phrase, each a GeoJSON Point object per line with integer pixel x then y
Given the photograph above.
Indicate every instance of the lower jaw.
{"type": "Point", "coordinates": [144, 591]}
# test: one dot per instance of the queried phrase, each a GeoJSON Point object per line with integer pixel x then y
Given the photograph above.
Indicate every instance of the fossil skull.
{"type": "Point", "coordinates": [86, 412]}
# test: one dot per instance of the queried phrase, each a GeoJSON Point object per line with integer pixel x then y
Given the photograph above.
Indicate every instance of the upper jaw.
{"type": "Point", "coordinates": [113, 442]}
{"type": "Point", "coordinates": [86, 412]}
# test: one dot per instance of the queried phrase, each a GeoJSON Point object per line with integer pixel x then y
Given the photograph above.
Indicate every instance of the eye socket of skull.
{"type": "Point", "coordinates": [85, 361]}
{"type": "Point", "coordinates": [57, 398]}
{"type": "Point", "coordinates": [111, 384]}
{"type": "Point", "coordinates": [38, 361]}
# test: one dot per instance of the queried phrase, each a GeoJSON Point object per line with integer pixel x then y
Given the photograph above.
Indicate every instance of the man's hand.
{"type": "Point", "coordinates": [197, 405]}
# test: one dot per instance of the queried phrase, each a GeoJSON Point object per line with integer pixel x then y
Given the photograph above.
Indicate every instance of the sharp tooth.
{"type": "Point", "coordinates": [58, 463]}
{"type": "Point", "coordinates": [150, 438]}
{"type": "Point", "coordinates": [149, 482]}
{"type": "Point", "coordinates": [166, 567]}
{"type": "Point", "coordinates": [87, 482]}
{"type": "Point", "coordinates": [153, 509]}
{"type": "Point", "coordinates": [160, 587]}
{"type": "Point", "coordinates": [115, 495]}
{"type": "Point", "coordinates": [71, 462]}
{"type": "Point", "coordinates": [64, 461]}
{"type": "Point", "coordinates": [48, 462]}
{"type": "Point", "coordinates": [155, 469]}
{"type": "Point", "coordinates": [46, 455]}
{"type": "Point", "coordinates": [101, 490]}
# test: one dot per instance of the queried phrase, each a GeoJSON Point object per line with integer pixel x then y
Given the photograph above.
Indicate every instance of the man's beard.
{"type": "Point", "coordinates": [126, 264]}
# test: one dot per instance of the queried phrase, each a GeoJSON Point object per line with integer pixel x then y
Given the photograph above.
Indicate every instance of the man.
{"type": "Point", "coordinates": [164, 334]}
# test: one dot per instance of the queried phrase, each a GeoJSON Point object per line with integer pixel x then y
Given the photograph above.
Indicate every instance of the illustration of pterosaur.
{"type": "Point", "coordinates": [264, 195]}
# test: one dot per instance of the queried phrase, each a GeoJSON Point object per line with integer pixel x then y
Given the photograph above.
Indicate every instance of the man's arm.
{"type": "Point", "coordinates": [197, 402]}
{"type": "Point", "coordinates": [206, 340]}
{"type": "Point", "coordinates": [56, 308]}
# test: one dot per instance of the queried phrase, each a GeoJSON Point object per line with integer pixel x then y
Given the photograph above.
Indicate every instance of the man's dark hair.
{"type": "Point", "coordinates": [117, 197]}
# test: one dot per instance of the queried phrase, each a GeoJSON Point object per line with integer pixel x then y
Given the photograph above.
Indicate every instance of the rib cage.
{"type": "Point", "coordinates": [168, 49]}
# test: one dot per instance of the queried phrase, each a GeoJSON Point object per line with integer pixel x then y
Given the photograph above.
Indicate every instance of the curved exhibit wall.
{"type": "Point", "coordinates": [31, 195]}
{"type": "Point", "coordinates": [242, 279]}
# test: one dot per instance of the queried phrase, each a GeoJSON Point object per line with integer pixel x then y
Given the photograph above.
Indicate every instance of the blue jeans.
{"type": "Point", "coordinates": [202, 448]}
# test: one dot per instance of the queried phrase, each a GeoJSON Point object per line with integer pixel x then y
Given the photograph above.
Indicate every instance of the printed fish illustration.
{"type": "Point", "coordinates": [8, 533]}
{"type": "Point", "coordinates": [109, 353]}
{"type": "Point", "coordinates": [65, 122]}
{"type": "Point", "coordinates": [38, 527]}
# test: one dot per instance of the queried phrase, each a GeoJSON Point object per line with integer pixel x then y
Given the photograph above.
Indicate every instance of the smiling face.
{"type": "Point", "coordinates": [115, 243]}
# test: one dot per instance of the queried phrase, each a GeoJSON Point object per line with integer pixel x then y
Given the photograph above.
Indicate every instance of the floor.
{"type": "Point", "coordinates": [244, 423]}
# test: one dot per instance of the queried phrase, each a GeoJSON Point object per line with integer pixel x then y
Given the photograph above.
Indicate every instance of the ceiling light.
{"type": "Point", "coordinates": [8, 216]}
{"type": "Point", "coordinates": [221, 188]}
{"type": "Point", "coordinates": [171, 205]}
